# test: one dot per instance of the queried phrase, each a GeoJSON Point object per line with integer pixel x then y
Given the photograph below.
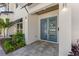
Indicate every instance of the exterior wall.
{"type": "Point", "coordinates": [32, 28]}
{"type": "Point", "coordinates": [12, 6]}
{"type": "Point", "coordinates": [71, 27]}
{"type": "Point", "coordinates": [49, 14]}
{"type": "Point", "coordinates": [64, 30]}
{"type": "Point", "coordinates": [75, 21]}
{"type": "Point", "coordinates": [12, 30]}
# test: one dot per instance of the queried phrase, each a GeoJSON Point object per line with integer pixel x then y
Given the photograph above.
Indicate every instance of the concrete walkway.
{"type": "Point", "coordinates": [2, 53]}
{"type": "Point", "coordinates": [38, 48]}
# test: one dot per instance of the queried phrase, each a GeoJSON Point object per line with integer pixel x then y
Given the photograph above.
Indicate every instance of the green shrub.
{"type": "Point", "coordinates": [8, 46]}
{"type": "Point", "coordinates": [19, 40]}
{"type": "Point", "coordinates": [11, 44]}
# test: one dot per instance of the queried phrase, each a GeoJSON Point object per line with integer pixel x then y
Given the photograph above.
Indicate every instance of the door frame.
{"type": "Point", "coordinates": [57, 29]}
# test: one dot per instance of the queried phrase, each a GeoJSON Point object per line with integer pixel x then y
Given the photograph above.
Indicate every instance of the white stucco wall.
{"type": "Point", "coordinates": [32, 29]}
{"type": "Point", "coordinates": [64, 30]}
{"type": "Point", "coordinates": [74, 27]}
{"type": "Point", "coordinates": [75, 21]}
{"type": "Point", "coordinates": [12, 30]}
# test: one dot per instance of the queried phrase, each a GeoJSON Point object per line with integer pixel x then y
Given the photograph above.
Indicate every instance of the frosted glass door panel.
{"type": "Point", "coordinates": [52, 31]}
{"type": "Point", "coordinates": [43, 29]}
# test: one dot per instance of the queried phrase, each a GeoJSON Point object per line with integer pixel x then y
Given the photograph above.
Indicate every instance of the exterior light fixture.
{"type": "Point", "coordinates": [64, 7]}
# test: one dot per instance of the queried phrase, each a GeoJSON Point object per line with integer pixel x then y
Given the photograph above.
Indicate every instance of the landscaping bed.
{"type": "Point", "coordinates": [15, 42]}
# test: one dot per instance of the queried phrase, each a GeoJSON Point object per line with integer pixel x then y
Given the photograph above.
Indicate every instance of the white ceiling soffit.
{"type": "Point", "coordinates": [22, 4]}
{"type": "Point", "coordinates": [26, 4]}
{"type": "Point", "coordinates": [33, 5]}
{"type": "Point", "coordinates": [40, 6]}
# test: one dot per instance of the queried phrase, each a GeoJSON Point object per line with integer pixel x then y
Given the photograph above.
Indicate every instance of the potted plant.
{"type": "Point", "coordinates": [74, 49]}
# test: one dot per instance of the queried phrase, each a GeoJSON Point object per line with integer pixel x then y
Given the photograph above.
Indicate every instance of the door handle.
{"type": "Point", "coordinates": [58, 28]}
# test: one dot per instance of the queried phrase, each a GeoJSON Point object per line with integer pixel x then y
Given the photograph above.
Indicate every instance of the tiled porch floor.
{"type": "Point", "coordinates": [38, 48]}
{"type": "Point", "coordinates": [2, 53]}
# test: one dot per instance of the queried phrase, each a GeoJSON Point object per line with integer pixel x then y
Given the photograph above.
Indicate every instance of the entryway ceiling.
{"type": "Point", "coordinates": [52, 8]}
{"type": "Point", "coordinates": [43, 8]}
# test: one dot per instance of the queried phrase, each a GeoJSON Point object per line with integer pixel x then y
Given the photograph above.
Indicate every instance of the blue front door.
{"type": "Point", "coordinates": [49, 29]}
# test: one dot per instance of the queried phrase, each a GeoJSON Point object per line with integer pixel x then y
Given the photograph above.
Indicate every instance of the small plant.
{"type": "Point", "coordinates": [11, 44]}
{"type": "Point", "coordinates": [75, 49]}
{"type": "Point", "coordinates": [4, 24]}
{"type": "Point", "coordinates": [8, 46]}
{"type": "Point", "coordinates": [18, 38]}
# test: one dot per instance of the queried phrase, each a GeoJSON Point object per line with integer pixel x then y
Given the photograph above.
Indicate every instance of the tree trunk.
{"type": "Point", "coordinates": [7, 32]}
{"type": "Point", "coordinates": [4, 32]}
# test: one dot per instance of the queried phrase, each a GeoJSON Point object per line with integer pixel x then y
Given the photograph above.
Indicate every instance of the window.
{"type": "Point", "coordinates": [2, 9]}
{"type": "Point", "coordinates": [20, 26]}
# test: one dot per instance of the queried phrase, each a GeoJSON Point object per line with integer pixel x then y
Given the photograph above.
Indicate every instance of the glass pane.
{"type": "Point", "coordinates": [43, 29]}
{"type": "Point", "coordinates": [2, 9]}
{"type": "Point", "coordinates": [17, 26]}
{"type": "Point", "coordinates": [21, 26]}
{"type": "Point", "coordinates": [21, 20]}
{"type": "Point", "coordinates": [52, 31]}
